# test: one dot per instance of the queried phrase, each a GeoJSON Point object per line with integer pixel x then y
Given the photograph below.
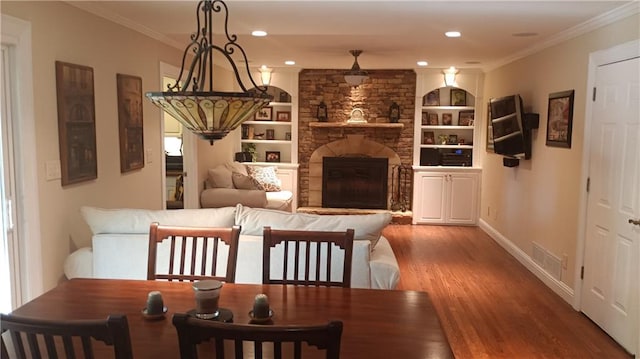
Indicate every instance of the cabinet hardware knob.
{"type": "Point", "coordinates": [635, 222]}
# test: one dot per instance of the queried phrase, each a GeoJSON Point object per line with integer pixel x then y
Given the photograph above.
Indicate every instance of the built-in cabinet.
{"type": "Point", "coordinates": [446, 196]}
{"type": "Point", "coordinates": [446, 178]}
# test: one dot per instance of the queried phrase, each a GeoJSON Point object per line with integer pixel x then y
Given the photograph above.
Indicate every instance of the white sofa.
{"type": "Point", "coordinates": [120, 241]}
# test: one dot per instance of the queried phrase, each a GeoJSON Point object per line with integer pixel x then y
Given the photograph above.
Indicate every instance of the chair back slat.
{"type": "Point", "coordinates": [41, 336]}
{"type": "Point", "coordinates": [193, 253]}
{"type": "Point", "coordinates": [306, 251]}
{"type": "Point", "coordinates": [193, 332]}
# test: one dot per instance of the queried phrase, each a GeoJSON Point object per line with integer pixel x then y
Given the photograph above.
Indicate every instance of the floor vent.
{"type": "Point", "coordinates": [549, 262]}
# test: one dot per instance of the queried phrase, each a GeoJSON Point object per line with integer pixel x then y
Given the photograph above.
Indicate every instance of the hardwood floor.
{"type": "Point", "coordinates": [489, 304]}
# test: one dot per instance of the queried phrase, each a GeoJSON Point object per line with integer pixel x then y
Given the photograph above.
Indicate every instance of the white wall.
{"type": "Point", "coordinates": [539, 200]}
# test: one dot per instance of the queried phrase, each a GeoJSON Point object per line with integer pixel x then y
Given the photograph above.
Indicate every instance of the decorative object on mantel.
{"type": "Point", "coordinates": [355, 76]}
{"type": "Point", "coordinates": [210, 114]}
{"type": "Point", "coordinates": [394, 113]}
{"type": "Point", "coordinates": [322, 112]}
{"type": "Point", "coordinates": [357, 116]}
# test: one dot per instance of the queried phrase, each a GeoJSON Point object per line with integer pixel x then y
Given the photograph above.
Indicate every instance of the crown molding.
{"type": "Point", "coordinates": [629, 9]}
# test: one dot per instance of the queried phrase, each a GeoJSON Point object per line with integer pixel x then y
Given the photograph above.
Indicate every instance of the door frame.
{"type": "Point", "coordinates": [189, 153]}
{"type": "Point", "coordinates": [614, 54]}
{"type": "Point", "coordinates": [17, 34]}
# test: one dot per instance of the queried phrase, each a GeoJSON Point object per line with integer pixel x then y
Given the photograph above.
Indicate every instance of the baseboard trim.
{"type": "Point", "coordinates": [560, 288]}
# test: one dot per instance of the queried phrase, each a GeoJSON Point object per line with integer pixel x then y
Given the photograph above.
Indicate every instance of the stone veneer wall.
{"type": "Point", "coordinates": [374, 97]}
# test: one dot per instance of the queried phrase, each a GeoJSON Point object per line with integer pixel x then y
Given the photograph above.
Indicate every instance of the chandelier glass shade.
{"type": "Point", "coordinates": [355, 76]}
{"type": "Point", "coordinates": [210, 114]}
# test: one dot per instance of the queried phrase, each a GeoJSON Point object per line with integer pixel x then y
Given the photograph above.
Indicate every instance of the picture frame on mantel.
{"type": "Point", "coordinates": [130, 122]}
{"type": "Point", "coordinates": [76, 123]}
{"type": "Point", "coordinates": [560, 119]}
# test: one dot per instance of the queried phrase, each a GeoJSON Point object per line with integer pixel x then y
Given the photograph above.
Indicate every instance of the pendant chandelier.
{"type": "Point", "coordinates": [210, 114]}
{"type": "Point", "coordinates": [355, 76]}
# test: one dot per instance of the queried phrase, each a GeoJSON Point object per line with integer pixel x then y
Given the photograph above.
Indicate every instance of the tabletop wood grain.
{"type": "Point", "coordinates": [377, 323]}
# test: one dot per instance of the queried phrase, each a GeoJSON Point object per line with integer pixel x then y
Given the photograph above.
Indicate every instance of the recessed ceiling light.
{"type": "Point", "coordinates": [422, 63]}
{"type": "Point", "coordinates": [452, 34]}
{"type": "Point", "coordinates": [259, 33]}
{"type": "Point", "coordinates": [290, 62]}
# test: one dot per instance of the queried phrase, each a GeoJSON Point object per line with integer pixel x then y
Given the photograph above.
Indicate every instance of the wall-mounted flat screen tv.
{"type": "Point", "coordinates": [507, 116]}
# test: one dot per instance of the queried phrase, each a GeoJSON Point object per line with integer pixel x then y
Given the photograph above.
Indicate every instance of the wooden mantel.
{"type": "Point", "coordinates": [355, 125]}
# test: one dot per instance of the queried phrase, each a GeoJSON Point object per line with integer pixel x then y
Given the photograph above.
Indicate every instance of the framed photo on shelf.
{"type": "Point", "coordinates": [433, 119]}
{"type": "Point", "coordinates": [287, 136]}
{"type": "Point", "coordinates": [432, 98]}
{"type": "Point", "coordinates": [271, 134]}
{"type": "Point", "coordinates": [465, 118]}
{"type": "Point", "coordinates": [283, 116]}
{"type": "Point", "coordinates": [272, 156]}
{"type": "Point", "coordinates": [264, 114]}
{"type": "Point", "coordinates": [458, 97]}
{"type": "Point", "coordinates": [284, 97]}
{"type": "Point", "coordinates": [560, 119]}
{"type": "Point", "coordinates": [453, 139]}
{"type": "Point", "coordinates": [447, 119]}
{"type": "Point", "coordinates": [429, 138]}
{"type": "Point", "coordinates": [425, 118]}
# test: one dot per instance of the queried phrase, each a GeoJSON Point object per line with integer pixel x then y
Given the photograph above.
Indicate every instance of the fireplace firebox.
{"type": "Point", "coordinates": [354, 182]}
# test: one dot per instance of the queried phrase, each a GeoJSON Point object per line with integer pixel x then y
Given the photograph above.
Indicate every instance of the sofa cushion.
{"type": "Point", "coordinates": [219, 177]}
{"type": "Point", "coordinates": [241, 181]}
{"type": "Point", "coordinates": [237, 167]}
{"type": "Point", "coordinates": [229, 197]}
{"type": "Point", "coordinates": [102, 220]}
{"type": "Point", "coordinates": [365, 226]}
{"type": "Point", "coordinates": [265, 178]}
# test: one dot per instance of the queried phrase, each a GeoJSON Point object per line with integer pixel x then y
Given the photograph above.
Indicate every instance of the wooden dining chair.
{"type": "Point", "coordinates": [310, 254]}
{"type": "Point", "coordinates": [37, 338]}
{"type": "Point", "coordinates": [270, 340]}
{"type": "Point", "coordinates": [193, 252]}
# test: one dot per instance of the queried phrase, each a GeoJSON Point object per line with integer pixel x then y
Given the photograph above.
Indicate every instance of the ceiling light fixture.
{"type": "Point", "coordinates": [450, 76]}
{"type": "Point", "coordinates": [210, 114]}
{"type": "Point", "coordinates": [355, 76]}
{"type": "Point", "coordinates": [259, 33]}
{"type": "Point", "coordinates": [265, 75]}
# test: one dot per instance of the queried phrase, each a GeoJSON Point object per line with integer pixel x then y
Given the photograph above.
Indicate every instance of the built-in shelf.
{"type": "Point", "coordinates": [356, 125]}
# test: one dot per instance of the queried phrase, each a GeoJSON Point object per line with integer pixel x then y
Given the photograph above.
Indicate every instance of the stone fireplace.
{"type": "Point", "coordinates": [353, 146]}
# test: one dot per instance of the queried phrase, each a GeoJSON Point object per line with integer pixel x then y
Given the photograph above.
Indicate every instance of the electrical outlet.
{"type": "Point", "coordinates": [565, 260]}
{"type": "Point", "coordinates": [148, 155]}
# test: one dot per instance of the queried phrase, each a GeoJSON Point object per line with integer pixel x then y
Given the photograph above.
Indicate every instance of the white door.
{"type": "Point", "coordinates": [612, 243]}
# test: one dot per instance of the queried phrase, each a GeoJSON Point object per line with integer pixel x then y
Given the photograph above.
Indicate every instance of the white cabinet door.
{"type": "Point", "coordinates": [445, 198]}
{"type": "Point", "coordinates": [463, 189]}
{"type": "Point", "coordinates": [429, 198]}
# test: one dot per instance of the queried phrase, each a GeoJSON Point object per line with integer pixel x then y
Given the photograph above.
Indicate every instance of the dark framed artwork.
{"type": "Point", "coordinates": [560, 119]}
{"type": "Point", "coordinates": [76, 123]}
{"type": "Point", "coordinates": [429, 138]}
{"type": "Point", "coordinates": [271, 134]}
{"type": "Point", "coordinates": [130, 122]}
{"type": "Point", "coordinates": [458, 97]}
{"type": "Point", "coordinates": [433, 119]}
{"type": "Point", "coordinates": [465, 118]}
{"type": "Point", "coordinates": [264, 114]}
{"type": "Point", "coordinates": [272, 156]}
{"type": "Point", "coordinates": [432, 98]}
{"type": "Point", "coordinates": [489, 146]}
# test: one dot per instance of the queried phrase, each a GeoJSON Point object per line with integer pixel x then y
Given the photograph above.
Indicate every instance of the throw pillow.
{"type": "Point", "coordinates": [219, 177]}
{"type": "Point", "coordinates": [241, 181]}
{"type": "Point", "coordinates": [265, 178]}
{"type": "Point", "coordinates": [237, 167]}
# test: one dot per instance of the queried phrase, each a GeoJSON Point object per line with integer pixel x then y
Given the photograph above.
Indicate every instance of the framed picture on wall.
{"type": "Point", "coordinates": [432, 98]}
{"type": "Point", "coordinates": [458, 97]}
{"type": "Point", "coordinates": [465, 118]}
{"type": "Point", "coordinates": [130, 122]}
{"type": "Point", "coordinates": [560, 119]}
{"type": "Point", "coordinates": [76, 123]}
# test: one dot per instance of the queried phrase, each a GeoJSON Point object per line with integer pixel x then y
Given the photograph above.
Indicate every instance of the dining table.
{"type": "Point", "coordinates": [376, 323]}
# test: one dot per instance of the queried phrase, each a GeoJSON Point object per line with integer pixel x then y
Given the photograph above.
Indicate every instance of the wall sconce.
{"type": "Point", "coordinates": [450, 76]}
{"type": "Point", "coordinates": [265, 75]}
